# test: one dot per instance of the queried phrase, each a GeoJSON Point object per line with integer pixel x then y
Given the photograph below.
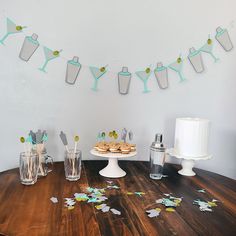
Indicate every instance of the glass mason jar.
{"type": "Point", "coordinates": [72, 164]}
{"type": "Point", "coordinates": [157, 158]}
{"type": "Point", "coordinates": [29, 165]}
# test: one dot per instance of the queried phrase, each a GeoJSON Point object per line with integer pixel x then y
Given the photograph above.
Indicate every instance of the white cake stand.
{"type": "Point", "coordinates": [187, 162]}
{"type": "Point", "coordinates": [112, 170]}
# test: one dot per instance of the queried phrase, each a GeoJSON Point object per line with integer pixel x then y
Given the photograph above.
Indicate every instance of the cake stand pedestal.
{"type": "Point", "coordinates": [112, 170]}
{"type": "Point", "coordinates": [187, 162]}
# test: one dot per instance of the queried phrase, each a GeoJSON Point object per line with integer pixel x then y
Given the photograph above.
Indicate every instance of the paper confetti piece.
{"type": "Point", "coordinates": [80, 197]}
{"type": "Point", "coordinates": [201, 190]}
{"type": "Point", "coordinates": [159, 200]}
{"type": "Point", "coordinates": [212, 204]}
{"type": "Point", "coordinates": [99, 207]}
{"type": "Point", "coordinates": [129, 193]}
{"type": "Point", "coordinates": [113, 187]}
{"type": "Point", "coordinates": [153, 212]}
{"type": "Point", "coordinates": [169, 209]}
{"type": "Point", "coordinates": [71, 207]}
{"type": "Point", "coordinates": [114, 211]}
{"type": "Point", "coordinates": [105, 209]}
{"type": "Point", "coordinates": [204, 206]}
{"type": "Point", "coordinates": [109, 181]}
{"type": "Point", "coordinates": [54, 199]}
{"type": "Point", "coordinates": [139, 193]}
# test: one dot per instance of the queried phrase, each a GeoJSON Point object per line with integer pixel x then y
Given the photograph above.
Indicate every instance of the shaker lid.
{"type": "Point", "coordinates": [157, 144]}
{"type": "Point", "coordinates": [124, 69]}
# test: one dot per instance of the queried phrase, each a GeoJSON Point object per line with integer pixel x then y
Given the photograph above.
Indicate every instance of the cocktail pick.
{"type": "Point", "coordinates": [131, 135]}
{"type": "Point", "coordinates": [38, 136]}
{"type": "Point", "coordinates": [103, 135]}
{"type": "Point", "coordinates": [76, 139]}
{"type": "Point", "coordinates": [22, 140]}
{"type": "Point", "coordinates": [124, 134]}
{"type": "Point", "coordinates": [64, 140]}
{"type": "Point", "coordinates": [33, 135]}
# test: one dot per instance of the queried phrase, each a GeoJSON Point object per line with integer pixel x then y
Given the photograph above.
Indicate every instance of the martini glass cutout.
{"type": "Point", "coordinates": [49, 55]}
{"type": "Point", "coordinates": [97, 73]}
{"type": "Point", "coordinates": [208, 48]}
{"type": "Point", "coordinates": [177, 66]}
{"type": "Point", "coordinates": [12, 28]}
{"type": "Point", "coordinates": [144, 76]}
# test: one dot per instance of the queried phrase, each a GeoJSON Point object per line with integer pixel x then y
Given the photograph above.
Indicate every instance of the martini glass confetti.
{"type": "Point", "coordinates": [144, 76]}
{"type": "Point", "coordinates": [208, 48]}
{"type": "Point", "coordinates": [177, 66]}
{"type": "Point", "coordinates": [97, 74]}
{"type": "Point", "coordinates": [49, 55]}
{"type": "Point", "coordinates": [12, 28]}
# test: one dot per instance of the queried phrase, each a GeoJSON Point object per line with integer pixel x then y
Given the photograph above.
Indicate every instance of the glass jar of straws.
{"type": "Point", "coordinates": [72, 164]}
{"type": "Point", "coordinates": [29, 165]}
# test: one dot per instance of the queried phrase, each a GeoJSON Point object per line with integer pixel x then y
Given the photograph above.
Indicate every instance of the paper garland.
{"type": "Point", "coordinates": [161, 74]}
{"type": "Point", "coordinates": [97, 73]}
{"type": "Point", "coordinates": [124, 79]}
{"type": "Point", "coordinates": [72, 70]}
{"type": "Point", "coordinates": [31, 44]}
{"type": "Point", "coordinates": [12, 28]}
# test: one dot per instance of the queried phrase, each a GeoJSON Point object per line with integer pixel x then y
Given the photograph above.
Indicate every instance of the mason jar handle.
{"type": "Point", "coordinates": [49, 162]}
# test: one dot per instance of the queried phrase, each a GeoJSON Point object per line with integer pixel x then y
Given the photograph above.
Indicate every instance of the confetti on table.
{"type": "Point", "coordinates": [70, 202]}
{"type": "Point", "coordinates": [204, 206]}
{"type": "Point", "coordinates": [109, 181]}
{"type": "Point", "coordinates": [114, 211]}
{"type": "Point", "coordinates": [201, 190]}
{"type": "Point", "coordinates": [139, 193]}
{"type": "Point", "coordinates": [153, 212]}
{"type": "Point", "coordinates": [54, 199]}
{"type": "Point", "coordinates": [164, 176]}
{"type": "Point", "coordinates": [103, 207]}
{"type": "Point", "coordinates": [113, 187]}
{"type": "Point", "coordinates": [170, 209]}
{"type": "Point", "coordinates": [81, 197]}
{"type": "Point", "coordinates": [129, 193]}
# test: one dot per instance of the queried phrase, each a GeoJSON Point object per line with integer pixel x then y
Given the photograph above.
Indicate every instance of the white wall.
{"type": "Point", "coordinates": [132, 33]}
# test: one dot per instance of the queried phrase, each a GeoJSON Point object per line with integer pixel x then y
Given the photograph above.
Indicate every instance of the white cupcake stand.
{"type": "Point", "coordinates": [112, 170]}
{"type": "Point", "coordinates": [187, 162]}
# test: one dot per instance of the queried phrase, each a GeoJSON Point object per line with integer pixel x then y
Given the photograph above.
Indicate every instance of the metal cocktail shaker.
{"type": "Point", "coordinates": [157, 158]}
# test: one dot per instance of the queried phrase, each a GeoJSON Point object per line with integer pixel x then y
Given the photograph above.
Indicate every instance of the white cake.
{"type": "Point", "coordinates": [191, 137]}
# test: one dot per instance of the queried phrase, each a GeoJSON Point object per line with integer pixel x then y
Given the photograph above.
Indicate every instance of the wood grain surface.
{"type": "Point", "coordinates": [27, 210]}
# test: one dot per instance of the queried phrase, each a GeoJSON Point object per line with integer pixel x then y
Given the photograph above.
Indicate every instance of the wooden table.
{"type": "Point", "coordinates": [27, 210]}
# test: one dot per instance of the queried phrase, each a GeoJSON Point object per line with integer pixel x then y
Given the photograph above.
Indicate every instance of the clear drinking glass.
{"type": "Point", "coordinates": [45, 163]}
{"type": "Point", "coordinates": [29, 164]}
{"type": "Point", "coordinates": [72, 164]}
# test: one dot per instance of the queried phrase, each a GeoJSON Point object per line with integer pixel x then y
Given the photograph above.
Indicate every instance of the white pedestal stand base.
{"type": "Point", "coordinates": [187, 162]}
{"type": "Point", "coordinates": [112, 170]}
{"type": "Point", "coordinates": [187, 166]}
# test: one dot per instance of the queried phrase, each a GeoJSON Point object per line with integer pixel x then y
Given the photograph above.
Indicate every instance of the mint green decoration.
{"type": "Point", "coordinates": [97, 74]}
{"type": "Point", "coordinates": [208, 48]}
{"type": "Point", "coordinates": [72, 71]}
{"type": "Point", "coordinates": [29, 46]}
{"type": "Point", "coordinates": [49, 55]}
{"type": "Point", "coordinates": [12, 28]}
{"type": "Point", "coordinates": [195, 59]}
{"type": "Point", "coordinates": [124, 78]}
{"type": "Point", "coordinates": [144, 76]}
{"type": "Point", "coordinates": [161, 74]}
{"type": "Point", "coordinates": [177, 66]}
{"type": "Point", "coordinates": [222, 36]}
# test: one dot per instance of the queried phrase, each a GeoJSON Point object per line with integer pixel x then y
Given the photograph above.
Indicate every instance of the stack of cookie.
{"type": "Point", "coordinates": [115, 147]}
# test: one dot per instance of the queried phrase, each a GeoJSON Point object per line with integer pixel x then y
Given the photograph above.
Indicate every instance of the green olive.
{"type": "Point", "coordinates": [179, 60]}
{"type": "Point", "coordinates": [209, 41]}
{"type": "Point", "coordinates": [115, 136]}
{"type": "Point", "coordinates": [110, 134]}
{"type": "Point", "coordinates": [56, 53]}
{"type": "Point", "coordinates": [102, 69]}
{"type": "Point", "coordinates": [19, 28]}
{"type": "Point", "coordinates": [147, 70]}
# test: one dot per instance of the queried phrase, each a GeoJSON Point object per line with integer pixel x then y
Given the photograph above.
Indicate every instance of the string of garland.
{"type": "Point", "coordinates": [31, 44]}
